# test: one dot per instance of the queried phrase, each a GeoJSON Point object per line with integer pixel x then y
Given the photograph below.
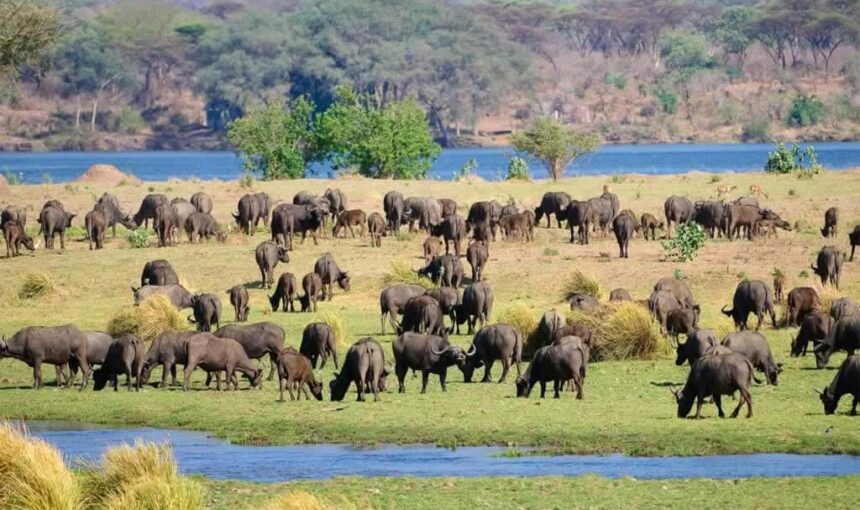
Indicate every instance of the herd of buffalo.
{"type": "Point", "coordinates": [418, 315]}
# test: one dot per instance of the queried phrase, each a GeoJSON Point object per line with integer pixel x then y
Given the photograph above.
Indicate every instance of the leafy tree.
{"type": "Point", "coordinates": [685, 51]}
{"type": "Point", "coordinates": [689, 239]}
{"type": "Point", "coordinates": [392, 141]}
{"type": "Point", "coordinates": [554, 144]}
{"type": "Point", "coordinates": [276, 139]}
{"type": "Point", "coordinates": [784, 160]}
{"type": "Point", "coordinates": [27, 27]}
{"type": "Point", "coordinates": [827, 31]}
{"type": "Point", "coordinates": [733, 32]}
{"type": "Point", "coordinates": [805, 111]}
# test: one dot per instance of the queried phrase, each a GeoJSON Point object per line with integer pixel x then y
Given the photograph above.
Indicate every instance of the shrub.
{"type": "Point", "coordinates": [523, 318]}
{"type": "Point", "coordinates": [138, 238]}
{"type": "Point", "coordinates": [466, 170]}
{"type": "Point", "coordinates": [37, 286]}
{"type": "Point", "coordinates": [550, 252]}
{"type": "Point", "coordinates": [305, 501]}
{"type": "Point", "coordinates": [580, 283]}
{"type": "Point", "coordinates": [757, 130]}
{"type": "Point", "coordinates": [155, 315]}
{"type": "Point", "coordinates": [689, 239]}
{"type": "Point", "coordinates": [668, 100]}
{"type": "Point", "coordinates": [805, 111]}
{"type": "Point", "coordinates": [247, 180]}
{"type": "Point", "coordinates": [826, 297]}
{"type": "Point", "coordinates": [784, 160]}
{"type": "Point", "coordinates": [401, 272]}
{"type": "Point", "coordinates": [622, 330]}
{"type": "Point", "coordinates": [140, 477]}
{"type": "Point", "coordinates": [714, 179]}
{"type": "Point", "coordinates": [32, 474]}
{"type": "Point", "coordinates": [617, 80]}
{"type": "Point", "coordinates": [518, 170]}
{"type": "Point", "coordinates": [336, 324]}
{"type": "Point", "coordinates": [129, 122]}
{"type": "Point", "coordinates": [13, 179]}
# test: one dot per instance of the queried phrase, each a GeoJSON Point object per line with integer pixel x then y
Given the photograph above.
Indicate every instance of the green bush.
{"type": "Point", "coordinates": [668, 100]}
{"type": "Point", "coordinates": [129, 121]}
{"type": "Point", "coordinates": [138, 238]}
{"type": "Point", "coordinates": [756, 130]}
{"type": "Point", "coordinates": [805, 111]}
{"type": "Point", "coordinates": [466, 170]}
{"type": "Point", "coordinates": [785, 160]}
{"type": "Point", "coordinates": [616, 80]}
{"type": "Point", "coordinates": [689, 239]}
{"type": "Point", "coordinates": [518, 170]}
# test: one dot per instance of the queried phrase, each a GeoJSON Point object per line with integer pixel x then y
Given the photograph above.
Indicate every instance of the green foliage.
{"type": "Point", "coordinates": [682, 50]}
{"type": "Point", "coordinates": [668, 99]}
{"type": "Point", "coordinates": [466, 170]}
{"type": "Point", "coordinates": [129, 121]}
{"type": "Point", "coordinates": [550, 252]}
{"type": "Point", "coordinates": [805, 111]}
{"type": "Point", "coordinates": [554, 144]}
{"type": "Point", "coordinates": [756, 130]}
{"type": "Point", "coordinates": [276, 139]}
{"type": "Point", "coordinates": [616, 80]}
{"type": "Point", "coordinates": [12, 178]}
{"type": "Point", "coordinates": [733, 30]}
{"type": "Point", "coordinates": [26, 30]}
{"type": "Point", "coordinates": [518, 170]}
{"type": "Point", "coordinates": [392, 141]}
{"type": "Point", "coordinates": [689, 239]}
{"type": "Point", "coordinates": [713, 179]}
{"type": "Point", "coordinates": [851, 70]}
{"type": "Point", "coordinates": [247, 180]}
{"type": "Point", "coordinates": [784, 160]}
{"type": "Point", "coordinates": [678, 274]}
{"type": "Point", "coordinates": [401, 272]}
{"type": "Point", "coordinates": [138, 238]}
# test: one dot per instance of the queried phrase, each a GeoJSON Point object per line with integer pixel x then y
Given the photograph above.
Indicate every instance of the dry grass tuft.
{"type": "Point", "coordinates": [826, 297]}
{"type": "Point", "coordinates": [581, 283]}
{"type": "Point", "coordinates": [335, 322]}
{"type": "Point", "coordinates": [37, 286]}
{"type": "Point", "coordinates": [523, 318]}
{"type": "Point", "coordinates": [140, 477]}
{"type": "Point", "coordinates": [32, 474]}
{"type": "Point", "coordinates": [300, 500]}
{"type": "Point", "coordinates": [402, 273]}
{"type": "Point", "coordinates": [152, 317]}
{"type": "Point", "coordinates": [622, 330]}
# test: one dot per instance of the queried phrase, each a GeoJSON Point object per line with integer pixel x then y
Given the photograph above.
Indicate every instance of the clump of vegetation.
{"type": "Point", "coordinates": [401, 272]}
{"type": "Point", "coordinates": [138, 238]}
{"type": "Point", "coordinates": [678, 274]}
{"type": "Point", "coordinates": [523, 318]}
{"type": "Point", "coordinates": [155, 315]}
{"type": "Point", "coordinates": [466, 170]}
{"type": "Point", "coordinates": [140, 477]}
{"type": "Point", "coordinates": [32, 474]}
{"type": "Point", "coordinates": [757, 130]}
{"type": "Point", "coordinates": [623, 330]}
{"type": "Point", "coordinates": [518, 170]}
{"type": "Point", "coordinates": [689, 239]}
{"type": "Point", "coordinates": [305, 501]}
{"type": "Point", "coordinates": [713, 179]}
{"type": "Point", "coordinates": [13, 179]}
{"type": "Point", "coordinates": [554, 144]}
{"type": "Point", "coordinates": [550, 252]}
{"type": "Point", "coordinates": [805, 111]}
{"type": "Point", "coordinates": [616, 80]}
{"type": "Point", "coordinates": [37, 286]}
{"type": "Point", "coordinates": [247, 180]}
{"type": "Point", "coordinates": [826, 297]}
{"type": "Point", "coordinates": [581, 283]}
{"type": "Point", "coordinates": [335, 322]}
{"type": "Point", "coordinates": [784, 160]}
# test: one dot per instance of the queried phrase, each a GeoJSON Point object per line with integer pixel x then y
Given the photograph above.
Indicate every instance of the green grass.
{"type": "Point", "coordinates": [549, 492]}
{"type": "Point", "coordinates": [627, 406]}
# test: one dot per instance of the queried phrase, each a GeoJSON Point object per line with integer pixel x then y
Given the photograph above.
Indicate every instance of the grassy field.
{"type": "Point", "coordinates": [627, 407]}
{"type": "Point", "coordinates": [548, 492]}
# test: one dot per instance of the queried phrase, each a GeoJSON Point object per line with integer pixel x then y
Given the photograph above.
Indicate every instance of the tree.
{"type": "Point", "coordinates": [276, 139]}
{"type": "Point", "coordinates": [392, 141]}
{"type": "Point", "coordinates": [554, 144]}
{"type": "Point", "coordinates": [733, 32]}
{"type": "Point", "coordinates": [826, 31]}
{"type": "Point", "coordinates": [26, 29]}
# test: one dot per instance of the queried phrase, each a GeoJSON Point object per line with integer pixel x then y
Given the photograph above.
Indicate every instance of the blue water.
{"type": "Point", "coordinates": [198, 454]}
{"type": "Point", "coordinates": [492, 163]}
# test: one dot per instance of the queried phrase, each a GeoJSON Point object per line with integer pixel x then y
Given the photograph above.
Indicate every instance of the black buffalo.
{"type": "Point", "coordinates": [751, 297]}
{"type": "Point", "coordinates": [329, 274]}
{"type": "Point", "coordinates": [553, 202]}
{"type": "Point", "coordinates": [716, 375]}
{"type": "Point", "coordinates": [57, 346]}
{"type": "Point", "coordinates": [364, 365]}
{"type": "Point", "coordinates": [268, 254]}
{"type": "Point", "coordinates": [829, 267]}
{"type": "Point", "coordinates": [698, 342]}
{"type": "Point", "coordinates": [428, 353]}
{"type": "Point", "coordinates": [844, 336]}
{"type": "Point", "coordinates": [559, 363]}
{"type": "Point", "coordinates": [207, 311]}
{"type": "Point", "coordinates": [845, 382]}
{"type": "Point", "coordinates": [476, 305]}
{"type": "Point", "coordinates": [257, 340]}
{"type": "Point", "coordinates": [754, 347]}
{"type": "Point", "coordinates": [502, 342]}
{"type": "Point", "coordinates": [393, 299]}
{"type": "Point", "coordinates": [318, 342]}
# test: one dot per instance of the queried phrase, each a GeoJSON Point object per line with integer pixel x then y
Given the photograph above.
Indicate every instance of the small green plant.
{"type": "Point", "coordinates": [12, 178]}
{"type": "Point", "coordinates": [786, 160]}
{"type": "Point", "coordinates": [401, 272]}
{"type": "Point", "coordinates": [803, 273]}
{"type": "Point", "coordinates": [792, 192]}
{"type": "Point", "coordinates": [668, 100]}
{"type": "Point", "coordinates": [743, 276]}
{"type": "Point", "coordinates": [805, 111]}
{"type": "Point", "coordinates": [247, 180]}
{"type": "Point", "coordinates": [618, 178]}
{"type": "Point", "coordinates": [151, 189]}
{"type": "Point", "coordinates": [129, 122]}
{"type": "Point", "coordinates": [466, 170]}
{"type": "Point", "coordinates": [689, 239]}
{"type": "Point", "coordinates": [138, 238]}
{"type": "Point", "coordinates": [550, 252]}
{"type": "Point", "coordinates": [518, 169]}
{"type": "Point", "coordinates": [777, 272]}
{"type": "Point", "coordinates": [47, 179]}
{"type": "Point", "coordinates": [714, 179]}
{"type": "Point", "coordinates": [678, 274]}
{"type": "Point", "coordinates": [617, 80]}
{"type": "Point", "coordinates": [71, 188]}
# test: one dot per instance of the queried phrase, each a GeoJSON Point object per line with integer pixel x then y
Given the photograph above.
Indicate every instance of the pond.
{"type": "Point", "coordinates": [200, 454]}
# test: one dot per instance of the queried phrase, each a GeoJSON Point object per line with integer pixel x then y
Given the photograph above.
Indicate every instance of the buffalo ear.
{"type": "Point", "coordinates": [816, 390]}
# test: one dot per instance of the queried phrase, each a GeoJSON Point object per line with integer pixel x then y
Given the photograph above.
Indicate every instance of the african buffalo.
{"type": "Point", "coordinates": [376, 228]}
{"type": "Point", "coordinates": [831, 221]}
{"type": "Point", "coordinates": [844, 336]}
{"type": "Point", "coordinates": [349, 220]}
{"type": "Point", "coordinates": [709, 214]}
{"type": "Point", "coordinates": [176, 294]}
{"type": "Point", "coordinates": [448, 299]}
{"type": "Point", "coordinates": [124, 357]}
{"type": "Point", "coordinates": [108, 205]}
{"type": "Point", "coordinates": [202, 202]}
{"type": "Point", "coordinates": [553, 202]}
{"type": "Point", "coordinates": [579, 216]}
{"type": "Point", "coordinates": [678, 288]}
{"type": "Point", "coordinates": [578, 330]}
{"type": "Point", "coordinates": [286, 291]}
{"type": "Point", "coordinates": [845, 382]}
{"type": "Point", "coordinates": [559, 363]}
{"type": "Point", "coordinates": [207, 311]}
{"type": "Point", "coordinates": [843, 307]}
{"type": "Point", "coordinates": [239, 299]}
{"type": "Point", "coordinates": [583, 302]}
{"type": "Point", "coordinates": [502, 342]}
{"type": "Point", "coordinates": [451, 229]}
{"type": "Point", "coordinates": [14, 213]}
{"type": "Point", "coordinates": [477, 255]}
{"type": "Point", "coordinates": [517, 227]}
{"type": "Point", "coordinates": [54, 221]}
{"type": "Point", "coordinates": [814, 328]}
{"type": "Point", "coordinates": [550, 322]}
{"type": "Point", "coordinates": [778, 285]}
{"type": "Point", "coordinates": [422, 314]}
{"type": "Point", "coordinates": [158, 272]}
{"type": "Point", "coordinates": [661, 304]}
{"type": "Point", "coordinates": [427, 211]}
{"type": "Point", "coordinates": [201, 226]}
{"type": "Point", "coordinates": [147, 209]}
{"type": "Point", "coordinates": [649, 223]}
{"type": "Point", "coordinates": [294, 370]}
{"type": "Point", "coordinates": [167, 350]}
{"type": "Point", "coordinates": [446, 269]}
{"type": "Point", "coordinates": [754, 347]}
{"type": "Point", "coordinates": [251, 209]}
{"type": "Point", "coordinates": [393, 299]}
{"type": "Point", "coordinates": [854, 240]}
{"type": "Point", "coordinates": [257, 340]}
{"type": "Point", "coordinates": [214, 354]}
{"type": "Point", "coordinates": [751, 297]}
{"type": "Point", "coordinates": [95, 223]}
{"type": "Point", "coordinates": [364, 365]}
{"type": "Point", "coordinates": [313, 287]}
{"type": "Point", "coordinates": [329, 274]}
{"type": "Point", "coordinates": [318, 342]}
{"type": "Point", "coordinates": [336, 199]}
{"type": "Point", "coordinates": [682, 321]}
{"type": "Point", "coordinates": [801, 302]}
{"type": "Point", "coordinates": [698, 342]}
{"type": "Point", "coordinates": [15, 236]}
{"type": "Point", "coordinates": [428, 353]}
{"type": "Point", "coordinates": [620, 295]}
{"type": "Point", "coordinates": [484, 218]}
{"type": "Point", "coordinates": [601, 214]}
{"type": "Point", "coordinates": [477, 304]}
{"type": "Point", "coordinates": [164, 224]}
{"type": "Point", "coordinates": [678, 210]}
{"type": "Point", "coordinates": [392, 204]}
{"type": "Point", "coordinates": [268, 254]}
{"type": "Point", "coordinates": [624, 227]}
{"type": "Point", "coordinates": [289, 219]}
{"type": "Point", "coordinates": [56, 345]}
{"type": "Point", "coordinates": [717, 375]}
{"type": "Point", "coordinates": [829, 267]}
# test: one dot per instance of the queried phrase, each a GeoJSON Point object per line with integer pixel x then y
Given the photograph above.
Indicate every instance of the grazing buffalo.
{"type": "Point", "coordinates": [854, 240]}
{"type": "Point", "coordinates": [393, 206]}
{"type": "Point", "coordinates": [620, 295]}
{"type": "Point", "coordinates": [428, 353]}
{"type": "Point", "coordinates": [754, 347]}
{"type": "Point", "coordinates": [124, 357]}
{"type": "Point", "coordinates": [661, 304]}
{"type": "Point", "coordinates": [202, 202]}
{"type": "Point", "coordinates": [215, 354]}
{"type": "Point", "coordinates": [578, 330]}
{"type": "Point", "coordinates": [251, 209]}
{"type": "Point", "coordinates": [697, 344]}
{"type": "Point", "coordinates": [147, 209]}
{"type": "Point", "coordinates": [484, 218]}
{"type": "Point", "coordinates": [201, 226]}
{"type": "Point", "coordinates": [446, 269]}
{"type": "Point", "coordinates": [553, 202]}
{"type": "Point", "coordinates": [286, 291]}
{"type": "Point", "coordinates": [95, 223]}
{"type": "Point", "coordinates": [517, 227]}
{"type": "Point", "coordinates": [751, 297]}
{"type": "Point", "coordinates": [624, 227]}
{"type": "Point", "coordinates": [829, 267]}
{"type": "Point", "coordinates": [376, 228]}
{"type": "Point", "coordinates": [678, 210]}
{"type": "Point", "coordinates": [831, 220]}
{"type": "Point", "coordinates": [313, 287]}
{"type": "Point", "coordinates": [710, 215]}
{"type": "Point", "coordinates": [164, 224]}
{"type": "Point", "coordinates": [449, 206]}
{"type": "Point", "coordinates": [207, 311]}
{"type": "Point", "coordinates": [98, 344]}
{"type": "Point", "coordinates": [14, 213]}
{"type": "Point", "coordinates": [393, 299]}
{"type": "Point", "coordinates": [477, 255]}
{"type": "Point", "coordinates": [678, 288]}
{"type": "Point", "coordinates": [54, 221]}
{"type": "Point", "coordinates": [477, 304]}
{"type": "Point", "coordinates": [583, 302]}
{"type": "Point", "coordinates": [550, 322]}
{"type": "Point", "coordinates": [167, 350]}
{"type": "Point", "coordinates": [559, 363]}
{"type": "Point", "coordinates": [329, 274]}
{"type": "Point", "coordinates": [432, 248]}
{"type": "Point", "coordinates": [257, 340]}
{"type": "Point", "coordinates": [716, 375]}
{"type": "Point", "coordinates": [778, 285]}
{"type": "Point", "coordinates": [364, 365]}
{"type": "Point", "coordinates": [318, 342]}
{"type": "Point", "coordinates": [349, 220]}
{"type": "Point", "coordinates": [448, 299]}
{"type": "Point", "coordinates": [747, 216]}
{"type": "Point", "coordinates": [239, 299]}
{"type": "Point", "coordinates": [649, 223]}
{"type": "Point", "coordinates": [601, 214]}
{"type": "Point", "coordinates": [579, 216]}
{"type": "Point", "coordinates": [612, 198]}
{"type": "Point", "coordinates": [451, 229]}
{"type": "Point", "coordinates": [502, 342]}
{"type": "Point", "coordinates": [295, 371]}
{"type": "Point", "coordinates": [15, 236]}
{"type": "Point", "coordinates": [182, 210]}
{"type": "Point", "coordinates": [843, 307]}
{"type": "Point", "coordinates": [158, 272]}
{"type": "Point", "coordinates": [682, 321]}
{"type": "Point", "coordinates": [844, 336]}
{"type": "Point", "coordinates": [290, 219]}
{"type": "Point", "coordinates": [801, 302]}
{"type": "Point", "coordinates": [814, 328]}
{"type": "Point", "coordinates": [422, 314]}
{"type": "Point", "coordinates": [427, 211]}
{"type": "Point", "coordinates": [336, 199]}
{"type": "Point", "coordinates": [176, 294]}
{"type": "Point", "coordinates": [311, 201]}
{"type": "Point", "coordinates": [845, 382]}
{"type": "Point", "coordinates": [57, 346]}
{"type": "Point", "coordinates": [268, 254]}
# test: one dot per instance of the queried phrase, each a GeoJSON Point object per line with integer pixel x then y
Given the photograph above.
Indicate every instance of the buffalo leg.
{"type": "Point", "coordinates": [556, 388]}
{"type": "Point", "coordinates": [290, 385]}
{"type": "Point", "coordinates": [425, 376]}
{"type": "Point", "coordinates": [400, 371]}
{"type": "Point", "coordinates": [506, 366]}
{"type": "Point", "coordinates": [542, 389]}
{"type": "Point", "coordinates": [37, 374]}
{"type": "Point", "coordinates": [359, 383]}
{"type": "Point", "coordinates": [272, 365]}
{"type": "Point", "coordinates": [282, 383]}
{"type": "Point", "coordinates": [700, 399]}
{"type": "Point", "coordinates": [488, 366]}
{"type": "Point", "coordinates": [854, 406]}
{"type": "Point", "coordinates": [718, 401]}
{"type": "Point", "coordinates": [577, 380]}
{"type": "Point", "coordinates": [189, 368]}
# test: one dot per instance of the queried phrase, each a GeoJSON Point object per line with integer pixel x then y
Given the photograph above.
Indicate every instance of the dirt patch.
{"type": "Point", "coordinates": [106, 175]}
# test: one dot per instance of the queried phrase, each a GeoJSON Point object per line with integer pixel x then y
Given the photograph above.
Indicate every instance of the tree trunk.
{"type": "Point", "coordinates": [556, 169]}
{"type": "Point", "coordinates": [77, 112]}
{"type": "Point", "coordinates": [95, 111]}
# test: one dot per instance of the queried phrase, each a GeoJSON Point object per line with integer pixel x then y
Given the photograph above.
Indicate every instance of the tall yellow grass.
{"type": "Point", "coordinates": [37, 286]}
{"type": "Point", "coordinates": [32, 474]}
{"type": "Point", "coordinates": [581, 283]}
{"type": "Point", "coordinates": [622, 330]}
{"type": "Point", "coordinates": [401, 272]}
{"type": "Point", "coordinates": [525, 320]}
{"type": "Point", "coordinates": [335, 322]}
{"type": "Point", "coordinates": [153, 316]}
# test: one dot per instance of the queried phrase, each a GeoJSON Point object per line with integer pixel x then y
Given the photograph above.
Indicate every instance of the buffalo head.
{"type": "Point", "coordinates": [523, 387]}
{"type": "Point", "coordinates": [316, 389]}
{"type": "Point", "coordinates": [4, 347]}
{"type": "Point", "coordinates": [283, 255]}
{"type": "Point", "coordinates": [828, 399]}
{"type": "Point", "coordinates": [684, 403]}
{"type": "Point", "coordinates": [343, 281]}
